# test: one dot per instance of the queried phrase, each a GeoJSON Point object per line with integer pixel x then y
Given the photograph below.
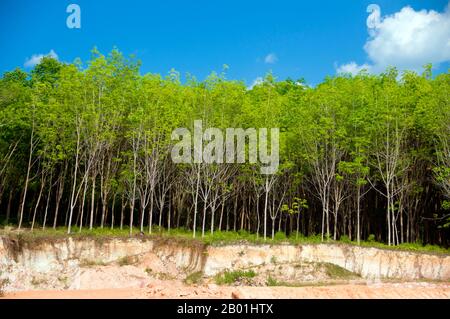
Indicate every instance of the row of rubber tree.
{"type": "Point", "coordinates": [87, 145]}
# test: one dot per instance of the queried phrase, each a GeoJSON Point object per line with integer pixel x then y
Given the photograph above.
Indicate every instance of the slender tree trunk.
{"type": "Point", "coordinates": [59, 193]}
{"type": "Point", "coordinates": [242, 214]}
{"type": "Point", "coordinates": [8, 209]}
{"type": "Point", "coordinates": [27, 179]}
{"type": "Point", "coordinates": [327, 211]}
{"type": "Point", "coordinates": [257, 217]}
{"type": "Point", "coordinates": [323, 215]}
{"type": "Point", "coordinates": [204, 217]}
{"type": "Point", "coordinates": [221, 215]}
{"type": "Point", "coordinates": [401, 225]}
{"type": "Point", "coordinates": [169, 211]}
{"type": "Point", "coordinates": [150, 215]}
{"type": "Point", "coordinates": [235, 213]}
{"type": "Point", "coordinates": [265, 207]}
{"type": "Point", "coordinates": [358, 212]}
{"type": "Point", "coordinates": [280, 220]}
{"type": "Point", "coordinates": [122, 210]}
{"type": "Point", "coordinates": [131, 216]}
{"type": "Point", "coordinates": [85, 187]}
{"type": "Point", "coordinates": [336, 208]}
{"type": "Point", "coordinates": [142, 217]}
{"type": "Point", "coordinates": [91, 218]}
{"type": "Point", "coordinates": [112, 210]}
{"type": "Point", "coordinates": [38, 202]}
{"type": "Point", "coordinates": [161, 207]}
{"type": "Point", "coordinates": [196, 203]}
{"type": "Point", "coordinates": [133, 197]}
{"type": "Point", "coordinates": [74, 195]}
{"type": "Point", "coordinates": [273, 228]}
{"type": "Point", "coordinates": [102, 221]}
{"type": "Point", "coordinates": [388, 214]}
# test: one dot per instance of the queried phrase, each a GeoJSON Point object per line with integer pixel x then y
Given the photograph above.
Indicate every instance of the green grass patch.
{"type": "Point", "coordinates": [194, 278]}
{"type": "Point", "coordinates": [231, 277]}
{"type": "Point", "coordinates": [271, 282]}
{"type": "Point", "coordinates": [335, 271]}
{"type": "Point", "coordinates": [3, 283]}
{"type": "Point", "coordinates": [163, 276]}
{"type": "Point", "coordinates": [273, 259]}
{"type": "Point", "coordinates": [91, 263]}
{"type": "Point", "coordinates": [126, 260]}
{"type": "Point", "coordinates": [184, 236]}
{"type": "Point", "coordinates": [36, 282]}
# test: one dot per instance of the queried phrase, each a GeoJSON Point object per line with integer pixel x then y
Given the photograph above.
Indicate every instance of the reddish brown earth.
{"type": "Point", "coordinates": [176, 289]}
{"type": "Point", "coordinates": [134, 268]}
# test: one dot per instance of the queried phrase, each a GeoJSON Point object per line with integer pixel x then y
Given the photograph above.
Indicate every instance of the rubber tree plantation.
{"type": "Point", "coordinates": [86, 146]}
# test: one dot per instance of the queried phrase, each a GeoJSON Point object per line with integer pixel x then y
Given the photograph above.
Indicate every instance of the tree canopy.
{"type": "Point", "coordinates": [359, 155]}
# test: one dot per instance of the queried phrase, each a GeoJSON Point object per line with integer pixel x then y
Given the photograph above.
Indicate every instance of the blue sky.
{"type": "Point", "coordinates": [310, 39]}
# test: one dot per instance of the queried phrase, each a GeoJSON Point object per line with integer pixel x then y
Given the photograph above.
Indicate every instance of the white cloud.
{"type": "Point", "coordinates": [352, 68]}
{"type": "Point", "coordinates": [259, 80]}
{"type": "Point", "coordinates": [36, 58]}
{"type": "Point", "coordinates": [271, 58]}
{"type": "Point", "coordinates": [408, 39]}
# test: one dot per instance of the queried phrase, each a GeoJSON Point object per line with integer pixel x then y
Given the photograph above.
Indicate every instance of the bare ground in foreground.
{"type": "Point", "coordinates": [177, 289]}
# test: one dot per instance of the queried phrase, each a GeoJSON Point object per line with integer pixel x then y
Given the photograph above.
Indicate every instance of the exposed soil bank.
{"type": "Point", "coordinates": [75, 264]}
{"type": "Point", "coordinates": [368, 262]}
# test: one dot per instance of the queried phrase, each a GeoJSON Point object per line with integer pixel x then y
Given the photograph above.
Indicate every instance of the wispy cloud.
{"type": "Point", "coordinates": [408, 39]}
{"type": "Point", "coordinates": [36, 58]}
{"type": "Point", "coordinates": [271, 58]}
{"type": "Point", "coordinates": [352, 68]}
{"type": "Point", "coordinates": [255, 82]}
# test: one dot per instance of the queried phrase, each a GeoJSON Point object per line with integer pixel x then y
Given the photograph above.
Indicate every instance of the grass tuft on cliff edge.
{"type": "Point", "coordinates": [184, 237]}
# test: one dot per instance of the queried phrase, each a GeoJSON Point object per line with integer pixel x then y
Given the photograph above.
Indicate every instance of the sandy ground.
{"type": "Point", "coordinates": [176, 289]}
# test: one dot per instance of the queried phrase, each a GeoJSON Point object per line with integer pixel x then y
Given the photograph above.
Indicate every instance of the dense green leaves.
{"type": "Point", "coordinates": [358, 155]}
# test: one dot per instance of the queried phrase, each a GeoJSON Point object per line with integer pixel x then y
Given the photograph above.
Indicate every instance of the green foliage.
{"type": "Point", "coordinates": [233, 277]}
{"type": "Point", "coordinates": [149, 271]}
{"type": "Point", "coordinates": [280, 236]}
{"type": "Point", "coordinates": [3, 283]}
{"type": "Point", "coordinates": [194, 278]}
{"type": "Point", "coordinates": [91, 263]}
{"type": "Point", "coordinates": [185, 236]}
{"type": "Point", "coordinates": [126, 260]}
{"type": "Point", "coordinates": [272, 282]}
{"type": "Point", "coordinates": [100, 133]}
{"type": "Point", "coordinates": [335, 271]}
{"type": "Point", "coordinates": [446, 205]}
{"type": "Point", "coordinates": [344, 239]}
